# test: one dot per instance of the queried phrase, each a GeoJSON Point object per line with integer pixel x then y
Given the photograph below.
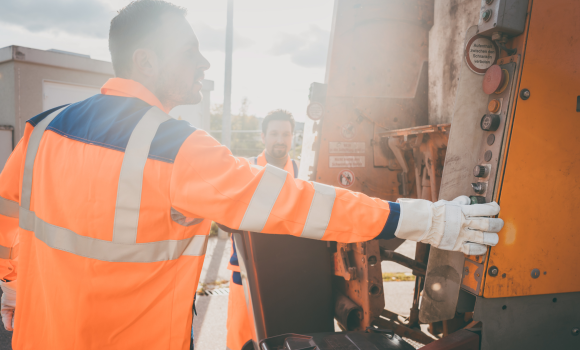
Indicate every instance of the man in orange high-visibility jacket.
{"type": "Point", "coordinates": [277, 134]}
{"type": "Point", "coordinates": [105, 205]}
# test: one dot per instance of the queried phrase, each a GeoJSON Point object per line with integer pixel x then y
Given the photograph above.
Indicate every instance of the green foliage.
{"type": "Point", "coordinates": [213, 231]}
{"type": "Point", "coordinates": [296, 152]}
{"type": "Point", "coordinates": [243, 144]}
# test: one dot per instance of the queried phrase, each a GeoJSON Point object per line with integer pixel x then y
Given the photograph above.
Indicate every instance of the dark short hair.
{"type": "Point", "coordinates": [132, 29]}
{"type": "Point", "coordinates": [278, 114]}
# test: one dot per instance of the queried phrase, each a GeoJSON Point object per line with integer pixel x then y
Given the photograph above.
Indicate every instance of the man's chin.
{"type": "Point", "coordinates": [279, 153]}
{"type": "Point", "coordinates": [195, 98]}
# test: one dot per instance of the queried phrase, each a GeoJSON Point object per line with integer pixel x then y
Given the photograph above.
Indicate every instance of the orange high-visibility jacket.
{"type": "Point", "coordinates": [292, 169]}
{"type": "Point", "coordinates": [110, 202]}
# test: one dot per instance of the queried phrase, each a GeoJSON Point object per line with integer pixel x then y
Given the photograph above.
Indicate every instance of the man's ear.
{"type": "Point", "coordinates": [263, 139]}
{"type": "Point", "coordinates": [146, 62]}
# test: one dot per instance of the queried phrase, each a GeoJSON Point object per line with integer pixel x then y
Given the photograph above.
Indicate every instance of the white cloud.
{"type": "Point", "coordinates": [269, 81]}
{"type": "Point", "coordinates": [306, 49]}
{"type": "Point", "coordinates": [214, 39]}
{"type": "Point", "coordinates": [85, 17]}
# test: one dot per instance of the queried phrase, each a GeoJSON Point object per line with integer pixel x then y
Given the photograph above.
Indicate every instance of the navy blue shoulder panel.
{"type": "Point", "coordinates": [169, 138]}
{"type": "Point", "coordinates": [39, 117]}
{"type": "Point", "coordinates": [108, 121]}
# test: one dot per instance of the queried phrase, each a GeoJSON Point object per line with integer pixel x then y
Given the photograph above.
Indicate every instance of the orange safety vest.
{"type": "Point", "coordinates": [110, 201]}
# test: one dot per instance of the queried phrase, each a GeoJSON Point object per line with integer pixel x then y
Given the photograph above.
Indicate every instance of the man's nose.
{"type": "Point", "coordinates": [204, 63]}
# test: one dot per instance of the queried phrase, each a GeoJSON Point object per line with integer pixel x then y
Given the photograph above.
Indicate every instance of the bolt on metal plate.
{"type": "Point", "coordinates": [535, 273]}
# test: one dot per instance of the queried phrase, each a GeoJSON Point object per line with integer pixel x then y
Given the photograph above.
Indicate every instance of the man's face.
{"type": "Point", "coordinates": [278, 138]}
{"type": "Point", "coordinates": [181, 65]}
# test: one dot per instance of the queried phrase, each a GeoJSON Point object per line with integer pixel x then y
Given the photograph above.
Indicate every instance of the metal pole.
{"type": "Point", "coordinates": [227, 112]}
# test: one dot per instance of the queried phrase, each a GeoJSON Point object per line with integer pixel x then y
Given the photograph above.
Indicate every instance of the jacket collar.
{"type": "Point", "coordinates": [130, 88]}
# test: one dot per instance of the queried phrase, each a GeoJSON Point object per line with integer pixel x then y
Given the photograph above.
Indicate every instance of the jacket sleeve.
{"type": "Point", "coordinates": [209, 182]}
{"type": "Point", "coordinates": [9, 206]}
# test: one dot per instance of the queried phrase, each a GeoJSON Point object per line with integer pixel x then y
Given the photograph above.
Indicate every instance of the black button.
{"type": "Point", "coordinates": [490, 122]}
{"type": "Point", "coordinates": [477, 199]}
{"type": "Point", "coordinates": [478, 187]}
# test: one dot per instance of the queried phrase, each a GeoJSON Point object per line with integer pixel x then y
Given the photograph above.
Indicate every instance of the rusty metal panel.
{"type": "Point", "coordinates": [360, 266]}
{"type": "Point", "coordinates": [541, 186]}
{"type": "Point", "coordinates": [376, 81]}
{"type": "Point", "coordinates": [445, 269]}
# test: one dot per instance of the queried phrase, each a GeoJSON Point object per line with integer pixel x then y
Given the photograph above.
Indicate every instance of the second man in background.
{"type": "Point", "coordinates": [277, 134]}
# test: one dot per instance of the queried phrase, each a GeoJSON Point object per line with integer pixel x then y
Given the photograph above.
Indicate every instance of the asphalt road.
{"type": "Point", "coordinates": [5, 337]}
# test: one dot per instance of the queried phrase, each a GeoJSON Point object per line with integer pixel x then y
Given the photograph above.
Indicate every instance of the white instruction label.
{"type": "Point", "coordinates": [347, 161]}
{"type": "Point", "coordinates": [480, 54]}
{"type": "Point", "coordinates": [347, 147]}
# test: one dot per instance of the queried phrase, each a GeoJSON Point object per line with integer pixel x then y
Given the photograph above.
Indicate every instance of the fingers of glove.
{"type": "Point", "coordinates": [473, 249]}
{"type": "Point", "coordinates": [7, 319]}
{"type": "Point", "coordinates": [487, 209]}
{"type": "Point", "coordinates": [462, 200]}
{"type": "Point", "coordinates": [484, 224]}
{"type": "Point", "coordinates": [487, 238]}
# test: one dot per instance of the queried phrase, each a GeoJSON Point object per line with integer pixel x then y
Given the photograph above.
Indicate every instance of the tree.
{"type": "Point", "coordinates": [244, 144]}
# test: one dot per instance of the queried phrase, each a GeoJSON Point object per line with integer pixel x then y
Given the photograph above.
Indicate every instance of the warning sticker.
{"type": "Point", "coordinates": [347, 147]}
{"type": "Point", "coordinates": [347, 161]}
{"type": "Point", "coordinates": [346, 178]}
{"type": "Point", "coordinates": [348, 130]}
{"type": "Point", "coordinates": [480, 54]}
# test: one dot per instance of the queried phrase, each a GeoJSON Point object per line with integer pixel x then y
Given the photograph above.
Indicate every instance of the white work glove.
{"type": "Point", "coordinates": [8, 305]}
{"type": "Point", "coordinates": [454, 225]}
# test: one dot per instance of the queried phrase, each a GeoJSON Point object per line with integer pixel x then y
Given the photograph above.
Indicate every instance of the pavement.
{"type": "Point", "coordinates": [5, 336]}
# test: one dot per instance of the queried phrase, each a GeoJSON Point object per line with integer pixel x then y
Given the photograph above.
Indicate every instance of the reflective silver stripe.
{"type": "Point", "coordinates": [131, 177]}
{"type": "Point", "coordinates": [69, 241]}
{"type": "Point", "coordinates": [263, 199]}
{"type": "Point", "coordinates": [319, 212]}
{"type": "Point", "coordinates": [5, 252]}
{"type": "Point", "coordinates": [197, 247]}
{"type": "Point", "coordinates": [8, 208]}
{"type": "Point", "coordinates": [26, 219]}
{"type": "Point", "coordinates": [31, 150]}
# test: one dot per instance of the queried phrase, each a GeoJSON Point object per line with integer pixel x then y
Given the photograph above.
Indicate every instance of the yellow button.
{"type": "Point", "coordinates": [493, 106]}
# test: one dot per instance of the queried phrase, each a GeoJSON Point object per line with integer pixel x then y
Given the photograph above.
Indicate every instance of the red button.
{"type": "Point", "coordinates": [493, 79]}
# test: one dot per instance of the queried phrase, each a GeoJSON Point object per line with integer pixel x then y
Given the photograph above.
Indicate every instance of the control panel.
{"type": "Point", "coordinates": [499, 84]}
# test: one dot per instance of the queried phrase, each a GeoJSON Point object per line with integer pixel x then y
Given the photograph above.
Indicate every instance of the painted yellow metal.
{"type": "Point", "coordinates": [540, 190]}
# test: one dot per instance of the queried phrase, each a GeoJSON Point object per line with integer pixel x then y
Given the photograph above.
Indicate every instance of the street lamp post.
{"type": "Point", "coordinates": [227, 110]}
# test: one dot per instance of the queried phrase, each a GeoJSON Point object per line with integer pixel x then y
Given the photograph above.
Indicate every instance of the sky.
{"type": "Point", "coordinates": [280, 46]}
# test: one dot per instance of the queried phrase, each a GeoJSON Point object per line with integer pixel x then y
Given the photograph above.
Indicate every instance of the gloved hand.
{"type": "Point", "coordinates": [8, 305]}
{"type": "Point", "coordinates": [450, 225]}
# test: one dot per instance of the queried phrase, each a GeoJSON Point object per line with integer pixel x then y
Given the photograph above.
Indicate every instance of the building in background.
{"type": "Point", "coordinates": [33, 81]}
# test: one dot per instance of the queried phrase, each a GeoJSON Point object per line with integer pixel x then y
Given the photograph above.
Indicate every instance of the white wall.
{"type": "Point", "coordinates": [57, 94]}
{"type": "Point", "coordinates": [5, 146]}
